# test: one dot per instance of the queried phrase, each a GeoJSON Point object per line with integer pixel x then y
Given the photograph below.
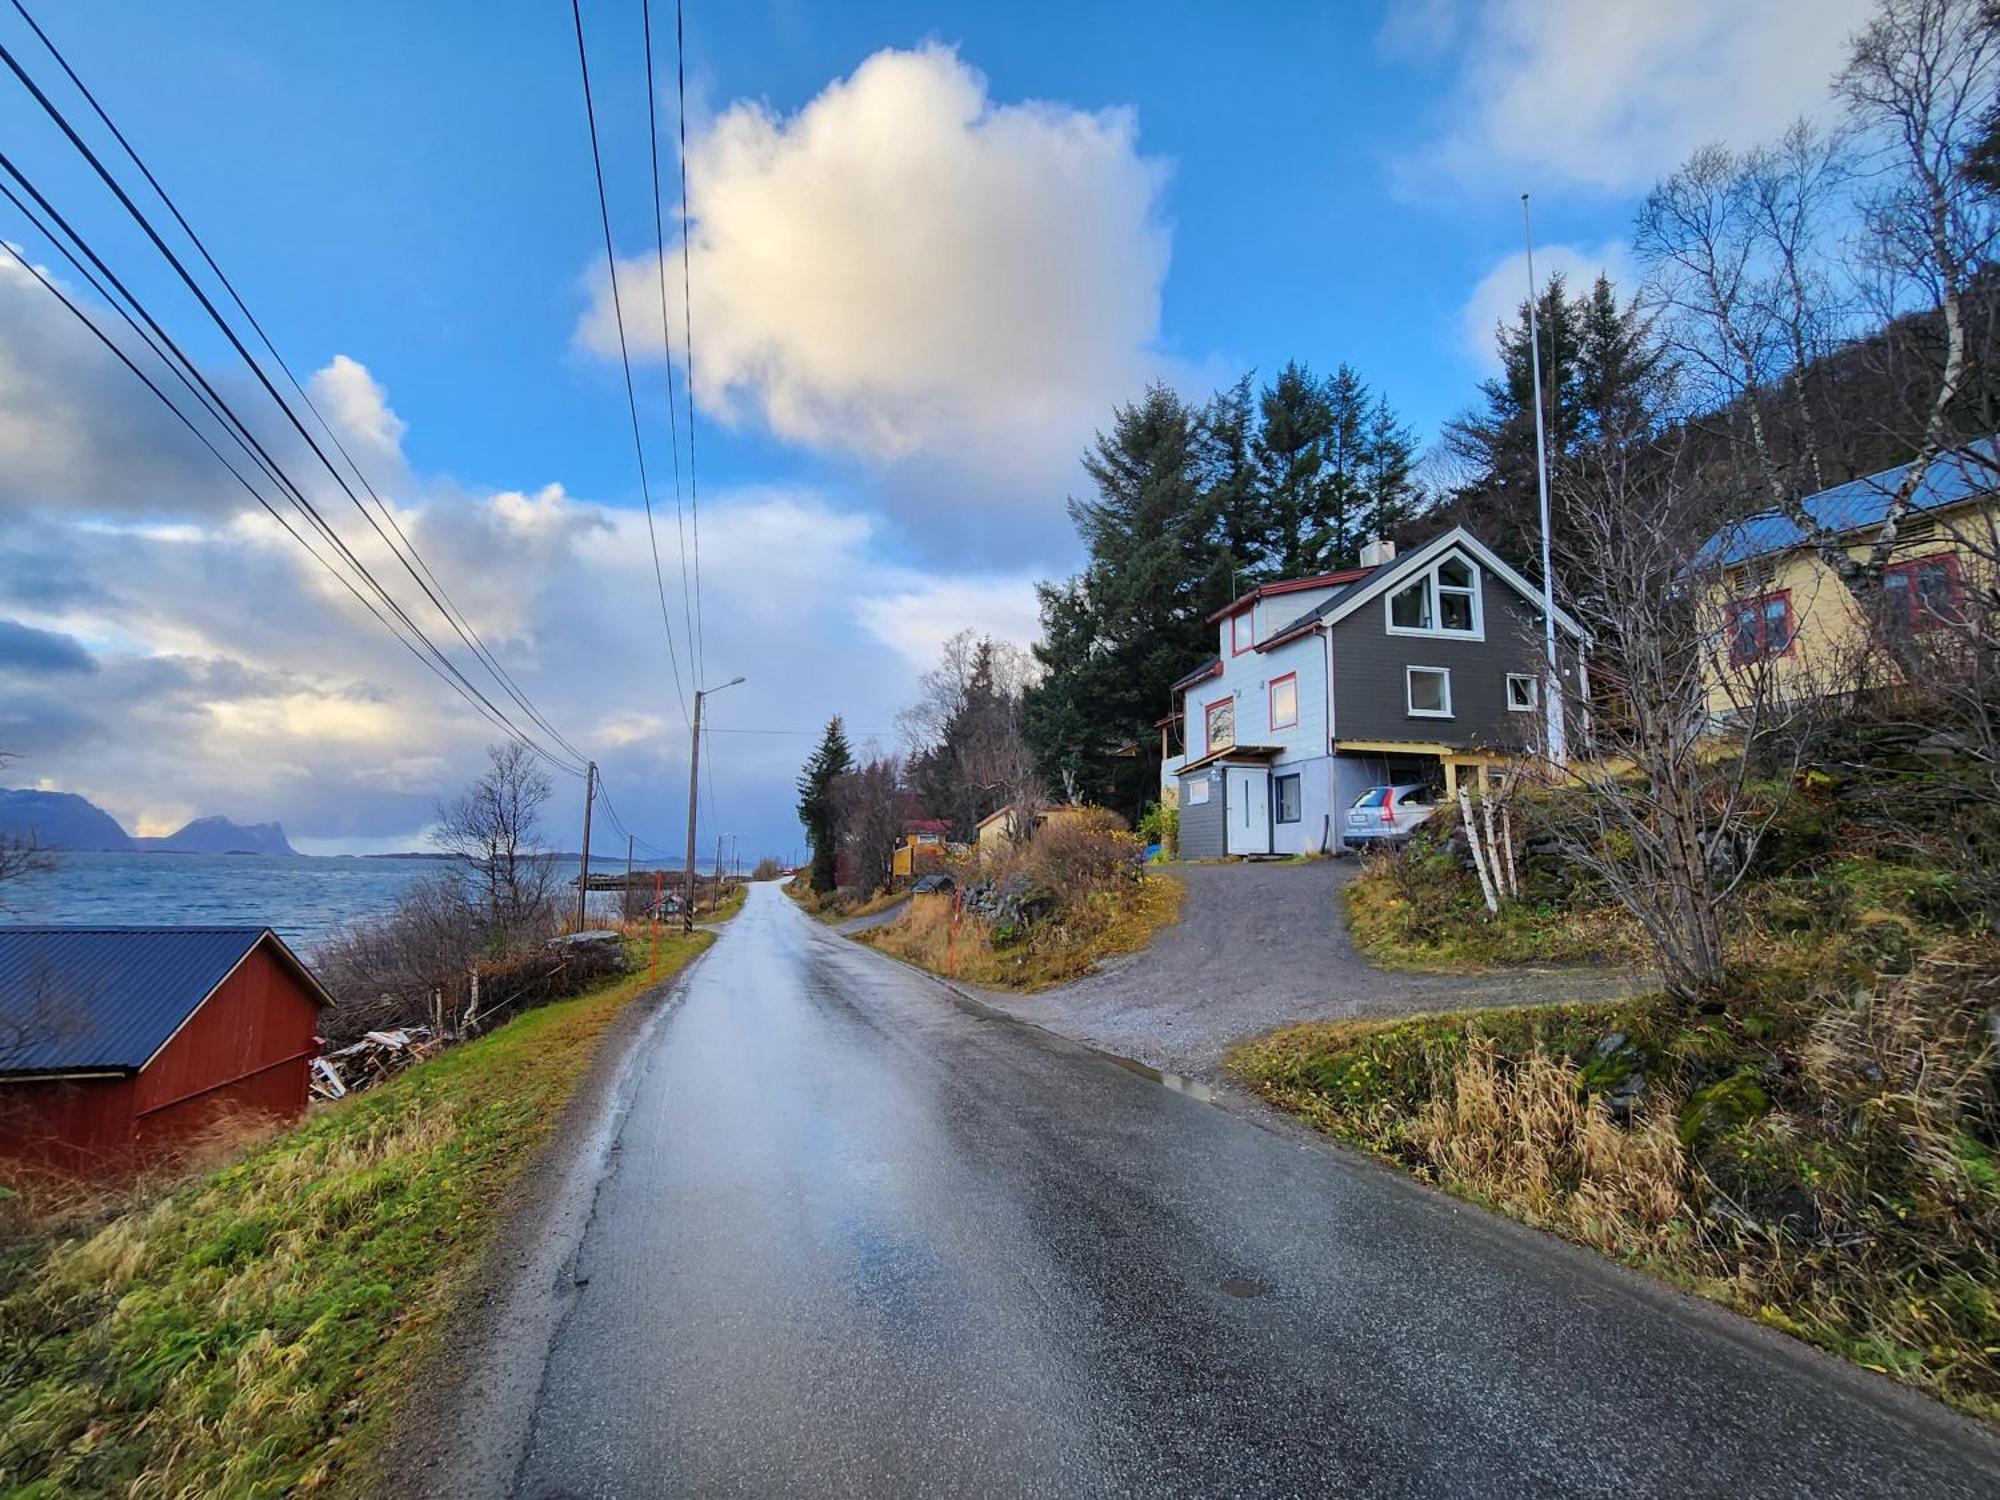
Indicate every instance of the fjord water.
{"type": "Point", "coordinates": [305, 898]}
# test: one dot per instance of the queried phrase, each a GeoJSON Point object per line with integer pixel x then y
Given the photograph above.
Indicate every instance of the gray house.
{"type": "Point", "coordinates": [1409, 668]}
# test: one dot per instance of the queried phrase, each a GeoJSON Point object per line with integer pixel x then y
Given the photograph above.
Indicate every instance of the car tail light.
{"type": "Point", "coordinates": [1389, 806]}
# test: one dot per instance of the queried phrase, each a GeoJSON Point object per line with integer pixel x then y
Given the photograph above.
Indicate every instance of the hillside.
{"type": "Point", "coordinates": [59, 820]}
{"type": "Point", "coordinates": [218, 835]}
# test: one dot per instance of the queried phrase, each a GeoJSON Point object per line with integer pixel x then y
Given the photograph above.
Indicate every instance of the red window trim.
{"type": "Point", "coordinates": [1757, 602]}
{"type": "Point", "coordinates": [1271, 701]}
{"type": "Point", "coordinates": [1250, 614]}
{"type": "Point", "coordinates": [1918, 618]}
{"type": "Point", "coordinates": [1208, 739]}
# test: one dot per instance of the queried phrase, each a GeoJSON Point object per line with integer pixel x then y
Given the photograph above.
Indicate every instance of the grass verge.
{"type": "Point", "coordinates": [1828, 1169]}
{"type": "Point", "coordinates": [252, 1332]}
{"type": "Point", "coordinates": [1403, 915]}
{"type": "Point", "coordinates": [1104, 923]}
{"type": "Point", "coordinates": [840, 905]}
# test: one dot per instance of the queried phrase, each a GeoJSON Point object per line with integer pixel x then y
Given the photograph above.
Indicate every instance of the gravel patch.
{"type": "Point", "coordinates": [1260, 946]}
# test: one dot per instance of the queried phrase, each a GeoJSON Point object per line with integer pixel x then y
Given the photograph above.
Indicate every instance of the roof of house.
{"type": "Point", "coordinates": [1378, 579]}
{"type": "Point", "coordinates": [1952, 479]}
{"type": "Point", "coordinates": [106, 999]}
{"type": "Point", "coordinates": [1210, 668]}
{"type": "Point", "coordinates": [1286, 586]}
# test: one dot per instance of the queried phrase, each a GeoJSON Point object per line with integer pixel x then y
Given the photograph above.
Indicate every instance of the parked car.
{"type": "Point", "coordinates": [1389, 814]}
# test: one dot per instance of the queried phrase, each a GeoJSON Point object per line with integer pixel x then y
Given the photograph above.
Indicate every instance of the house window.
{"type": "Point", "coordinates": [1197, 792]}
{"type": "Point", "coordinates": [1760, 628]}
{"type": "Point", "coordinates": [1429, 690]}
{"type": "Point", "coordinates": [1924, 593]}
{"type": "Point", "coordinates": [1524, 692]}
{"type": "Point", "coordinates": [1221, 724]}
{"type": "Point", "coordinates": [1443, 600]}
{"type": "Point", "coordinates": [1242, 630]}
{"type": "Point", "coordinates": [1285, 701]}
{"type": "Point", "coordinates": [1289, 810]}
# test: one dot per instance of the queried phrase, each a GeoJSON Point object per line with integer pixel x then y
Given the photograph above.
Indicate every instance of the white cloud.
{"type": "Point", "coordinates": [1610, 94]}
{"type": "Point", "coordinates": [917, 619]}
{"type": "Point", "coordinates": [1501, 291]}
{"type": "Point", "coordinates": [359, 410]}
{"type": "Point", "coordinates": [906, 267]}
{"type": "Point", "coordinates": [277, 696]}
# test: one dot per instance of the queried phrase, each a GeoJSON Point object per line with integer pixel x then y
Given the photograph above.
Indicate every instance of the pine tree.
{"type": "Point", "coordinates": [817, 805]}
{"type": "Point", "coordinates": [1118, 635]}
{"type": "Point", "coordinates": [1291, 450]}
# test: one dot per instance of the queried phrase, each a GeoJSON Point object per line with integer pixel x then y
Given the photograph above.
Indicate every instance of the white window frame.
{"type": "Point", "coordinates": [1427, 579]}
{"type": "Point", "coordinates": [1534, 692]}
{"type": "Point", "coordinates": [1197, 792]}
{"type": "Point", "coordinates": [1410, 699]}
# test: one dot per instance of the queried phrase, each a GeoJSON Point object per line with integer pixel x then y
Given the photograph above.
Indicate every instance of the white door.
{"type": "Point", "coordinates": [1247, 800]}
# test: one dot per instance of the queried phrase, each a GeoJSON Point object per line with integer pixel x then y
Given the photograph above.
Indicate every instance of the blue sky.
{"type": "Point", "coordinates": [933, 245]}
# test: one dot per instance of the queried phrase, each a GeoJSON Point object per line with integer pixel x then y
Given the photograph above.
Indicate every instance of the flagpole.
{"type": "Point", "coordinates": [1558, 743]}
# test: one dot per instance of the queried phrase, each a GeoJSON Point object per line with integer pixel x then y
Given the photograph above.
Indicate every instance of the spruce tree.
{"type": "Point", "coordinates": [817, 810]}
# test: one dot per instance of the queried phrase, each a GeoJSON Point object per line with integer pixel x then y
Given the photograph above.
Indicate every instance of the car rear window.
{"type": "Point", "coordinates": [1375, 796]}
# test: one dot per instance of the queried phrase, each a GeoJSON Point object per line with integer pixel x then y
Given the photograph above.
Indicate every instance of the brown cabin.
{"type": "Point", "coordinates": [117, 1043]}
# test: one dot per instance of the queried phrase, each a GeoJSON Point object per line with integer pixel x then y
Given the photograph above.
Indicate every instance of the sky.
{"type": "Point", "coordinates": [928, 249]}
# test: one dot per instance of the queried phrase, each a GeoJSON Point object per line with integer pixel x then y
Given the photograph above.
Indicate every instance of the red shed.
{"type": "Point", "coordinates": [115, 1041]}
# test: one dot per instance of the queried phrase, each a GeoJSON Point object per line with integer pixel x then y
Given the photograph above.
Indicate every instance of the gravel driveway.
{"type": "Point", "coordinates": [1259, 946]}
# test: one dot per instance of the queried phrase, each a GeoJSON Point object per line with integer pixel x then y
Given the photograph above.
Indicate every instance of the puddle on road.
{"type": "Point", "coordinates": [1194, 1088]}
{"type": "Point", "coordinates": [1243, 1286]}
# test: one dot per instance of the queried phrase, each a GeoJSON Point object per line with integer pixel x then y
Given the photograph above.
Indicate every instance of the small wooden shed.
{"type": "Point", "coordinates": [118, 1041]}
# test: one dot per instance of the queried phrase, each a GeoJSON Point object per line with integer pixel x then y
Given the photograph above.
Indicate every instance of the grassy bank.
{"type": "Point", "coordinates": [1827, 1167]}
{"type": "Point", "coordinates": [729, 906]}
{"type": "Point", "coordinates": [252, 1332]}
{"type": "Point", "coordinates": [840, 905]}
{"type": "Point", "coordinates": [1102, 924]}
{"type": "Point", "coordinates": [1421, 910]}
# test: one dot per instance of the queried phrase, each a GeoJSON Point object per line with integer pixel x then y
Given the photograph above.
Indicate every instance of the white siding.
{"type": "Point", "coordinates": [1247, 679]}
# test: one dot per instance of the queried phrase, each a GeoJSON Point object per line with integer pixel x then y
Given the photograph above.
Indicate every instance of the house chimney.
{"type": "Point", "coordinates": [1376, 551]}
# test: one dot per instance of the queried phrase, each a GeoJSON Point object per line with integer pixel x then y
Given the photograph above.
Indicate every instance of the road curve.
{"type": "Point", "coordinates": [856, 1238]}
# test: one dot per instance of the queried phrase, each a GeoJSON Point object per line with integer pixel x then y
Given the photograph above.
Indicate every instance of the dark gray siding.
{"type": "Point", "coordinates": [1370, 701]}
{"type": "Point", "coordinates": [1204, 831]}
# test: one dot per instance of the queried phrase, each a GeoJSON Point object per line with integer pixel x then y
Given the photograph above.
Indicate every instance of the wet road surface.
{"type": "Point", "coordinates": [857, 1239]}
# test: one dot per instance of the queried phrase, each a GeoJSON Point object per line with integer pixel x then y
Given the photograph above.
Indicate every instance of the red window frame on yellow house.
{"type": "Point", "coordinates": [1917, 612]}
{"type": "Point", "coordinates": [1761, 603]}
{"type": "Point", "coordinates": [1271, 699]}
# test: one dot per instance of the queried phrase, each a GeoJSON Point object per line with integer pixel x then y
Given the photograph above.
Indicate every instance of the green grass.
{"type": "Point", "coordinates": [252, 1332]}
{"type": "Point", "coordinates": [1428, 914]}
{"type": "Point", "coordinates": [1826, 1166]}
{"type": "Point", "coordinates": [731, 905]}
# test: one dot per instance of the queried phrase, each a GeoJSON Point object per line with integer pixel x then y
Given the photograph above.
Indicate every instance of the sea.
{"type": "Point", "coordinates": [305, 898]}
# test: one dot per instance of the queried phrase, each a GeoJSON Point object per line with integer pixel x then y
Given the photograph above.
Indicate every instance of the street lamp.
{"type": "Point", "coordinates": [694, 785]}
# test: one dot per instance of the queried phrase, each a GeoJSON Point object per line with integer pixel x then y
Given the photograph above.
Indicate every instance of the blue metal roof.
{"type": "Point", "coordinates": [90, 998]}
{"type": "Point", "coordinates": [1953, 478]}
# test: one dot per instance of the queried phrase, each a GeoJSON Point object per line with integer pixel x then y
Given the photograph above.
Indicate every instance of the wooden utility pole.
{"type": "Point", "coordinates": [625, 901]}
{"type": "Point", "coordinates": [583, 873]}
{"type": "Point", "coordinates": [694, 787]}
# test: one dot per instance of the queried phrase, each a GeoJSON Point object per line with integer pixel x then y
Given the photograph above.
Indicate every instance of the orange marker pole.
{"type": "Point", "coordinates": [656, 925]}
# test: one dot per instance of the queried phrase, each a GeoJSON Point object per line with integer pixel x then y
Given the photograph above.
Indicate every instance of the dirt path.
{"type": "Point", "coordinates": [1260, 946]}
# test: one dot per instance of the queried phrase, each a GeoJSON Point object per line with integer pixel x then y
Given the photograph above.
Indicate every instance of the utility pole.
{"type": "Point", "coordinates": [718, 869]}
{"type": "Point", "coordinates": [1558, 748]}
{"type": "Point", "coordinates": [625, 901]}
{"type": "Point", "coordinates": [583, 873]}
{"type": "Point", "coordinates": [694, 788]}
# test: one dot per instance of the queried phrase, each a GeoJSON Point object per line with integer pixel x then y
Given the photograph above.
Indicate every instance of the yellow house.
{"type": "Point", "coordinates": [995, 827]}
{"type": "Point", "coordinates": [1790, 626]}
{"type": "Point", "coordinates": [923, 845]}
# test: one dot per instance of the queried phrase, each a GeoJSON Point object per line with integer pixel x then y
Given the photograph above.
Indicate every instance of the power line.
{"type": "Point", "coordinates": [666, 337]}
{"type": "Point", "coordinates": [229, 333]}
{"type": "Point", "coordinates": [448, 608]}
{"type": "Point", "coordinates": [687, 306]}
{"type": "Point", "coordinates": [625, 356]}
{"type": "Point", "coordinates": [221, 458]}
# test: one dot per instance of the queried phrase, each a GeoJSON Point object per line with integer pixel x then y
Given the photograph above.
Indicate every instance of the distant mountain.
{"type": "Point", "coordinates": [220, 836]}
{"type": "Point", "coordinates": [63, 820]}
{"type": "Point", "coordinates": [59, 820]}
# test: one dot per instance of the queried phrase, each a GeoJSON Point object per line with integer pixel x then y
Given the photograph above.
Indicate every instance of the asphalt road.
{"type": "Point", "coordinates": [856, 1238]}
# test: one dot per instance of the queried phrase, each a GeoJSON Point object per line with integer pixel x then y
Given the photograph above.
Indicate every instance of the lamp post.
{"type": "Point", "coordinates": [694, 787]}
